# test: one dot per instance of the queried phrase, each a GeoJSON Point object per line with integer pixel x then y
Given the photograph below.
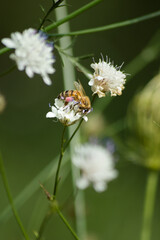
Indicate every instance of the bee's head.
{"type": "Point", "coordinates": [87, 110]}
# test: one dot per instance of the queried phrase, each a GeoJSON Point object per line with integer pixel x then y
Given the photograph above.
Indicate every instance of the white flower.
{"type": "Point", "coordinates": [106, 78]}
{"type": "Point", "coordinates": [32, 53]}
{"type": "Point", "coordinates": [96, 164]}
{"type": "Point", "coordinates": [66, 114]}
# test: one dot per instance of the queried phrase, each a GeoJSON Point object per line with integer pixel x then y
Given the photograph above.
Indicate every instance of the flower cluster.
{"type": "Point", "coordinates": [68, 113]}
{"type": "Point", "coordinates": [106, 78]}
{"type": "Point", "coordinates": [32, 53]}
{"type": "Point", "coordinates": [96, 164]}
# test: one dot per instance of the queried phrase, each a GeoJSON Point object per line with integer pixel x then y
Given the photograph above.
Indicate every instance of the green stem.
{"type": "Point", "coordinates": [70, 139]}
{"type": "Point", "coordinates": [4, 50]}
{"type": "Point", "coordinates": [59, 164]}
{"type": "Point", "coordinates": [55, 5]}
{"type": "Point", "coordinates": [69, 78]}
{"type": "Point", "coordinates": [152, 181]}
{"type": "Point", "coordinates": [6, 186]}
{"type": "Point", "coordinates": [66, 223]}
{"type": "Point", "coordinates": [74, 61]}
{"type": "Point", "coordinates": [63, 20]}
{"type": "Point", "coordinates": [92, 30]}
{"type": "Point", "coordinates": [7, 71]}
{"type": "Point", "coordinates": [43, 224]}
{"type": "Point", "coordinates": [111, 26]}
{"type": "Point", "coordinates": [72, 15]}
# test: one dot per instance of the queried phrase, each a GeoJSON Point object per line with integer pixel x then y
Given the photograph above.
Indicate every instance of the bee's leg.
{"type": "Point", "coordinates": [76, 103]}
{"type": "Point", "coordinates": [61, 97]}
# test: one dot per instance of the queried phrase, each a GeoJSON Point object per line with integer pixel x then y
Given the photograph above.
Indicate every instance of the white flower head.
{"type": "Point", "coordinates": [96, 164]}
{"type": "Point", "coordinates": [66, 114]}
{"type": "Point", "coordinates": [106, 78]}
{"type": "Point", "coordinates": [32, 53]}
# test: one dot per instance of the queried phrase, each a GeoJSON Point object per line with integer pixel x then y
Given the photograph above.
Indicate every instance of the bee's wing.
{"type": "Point", "coordinates": [79, 87]}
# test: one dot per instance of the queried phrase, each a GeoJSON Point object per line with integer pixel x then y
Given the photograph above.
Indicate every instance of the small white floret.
{"type": "Point", "coordinates": [32, 53]}
{"type": "Point", "coordinates": [66, 114]}
{"type": "Point", "coordinates": [96, 164]}
{"type": "Point", "coordinates": [106, 78]}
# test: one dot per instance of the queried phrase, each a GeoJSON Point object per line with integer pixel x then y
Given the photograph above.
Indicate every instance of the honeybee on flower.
{"type": "Point", "coordinates": [79, 96]}
{"type": "Point", "coordinates": [71, 105]}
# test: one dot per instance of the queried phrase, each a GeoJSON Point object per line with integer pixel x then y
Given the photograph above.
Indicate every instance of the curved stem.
{"type": "Point", "coordinates": [66, 223]}
{"type": "Point", "coordinates": [150, 195]}
{"type": "Point", "coordinates": [59, 164]}
{"type": "Point", "coordinates": [72, 15]}
{"type": "Point", "coordinates": [43, 224]}
{"type": "Point", "coordinates": [69, 78]}
{"type": "Point", "coordinates": [74, 61]}
{"type": "Point", "coordinates": [6, 185]}
{"type": "Point", "coordinates": [8, 71]}
{"type": "Point", "coordinates": [63, 20]}
{"type": "Point", "coordinates": [55, 5]}
{"type": "Point", "coordinates": [110, 26]}
{"type": "Point", "coordinates": [70, 139]}
{"type": "Point", "coordinates": [4, 50]}
{"type": "Point", "coordinates": [92, 30]}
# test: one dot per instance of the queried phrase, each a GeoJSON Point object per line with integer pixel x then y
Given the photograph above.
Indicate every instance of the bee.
{"type": "Point", "coordinates": [78, 96]}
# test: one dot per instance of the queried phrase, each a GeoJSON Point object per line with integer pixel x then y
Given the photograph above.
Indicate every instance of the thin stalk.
{"type": "Point", "coordinates": [8, 71]}
{"type": "Point", "coordinates": [43, 224]}
{"type": "Point", "coordinates": [74, 61]}
{"type": "Point", "coordinates": [91, 30]}
{"type": "Point", "coordinates": [152, 181]}
{"type": "Point", "coordinates": [66, 222]}
{"type": "Point", "coordinates": [63, 20]}
{"type": "Point", "coordinates": [59, 163]}
{"type": "Point", "coordinates": [71, 137]}
{"type": "Point", "coordinates": [55, 5]}
{"type": "Point", "coordinates": [6, 186]}
{"type": "Point", "coordinates": [110, 26]}
{"type": "Point", "coordinates": [4, 50]}
{"type": "Point", "coordinates": [72, 15]}
{"type": "Point", "coordinates": [69, 78]}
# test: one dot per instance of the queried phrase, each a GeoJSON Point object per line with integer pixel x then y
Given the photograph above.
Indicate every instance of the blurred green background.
{"type": "Point", "coordinates": [29, 142]}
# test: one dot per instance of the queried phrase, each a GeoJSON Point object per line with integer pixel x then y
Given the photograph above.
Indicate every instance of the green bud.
{"type": "Point", "coordinates": [144, 123]}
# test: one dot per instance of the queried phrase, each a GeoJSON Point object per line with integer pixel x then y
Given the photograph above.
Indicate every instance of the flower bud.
{"type": "Point", "coordinates": [144, 120]}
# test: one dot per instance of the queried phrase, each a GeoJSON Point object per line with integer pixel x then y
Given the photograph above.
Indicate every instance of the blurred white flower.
{"type": "Point", "coordinates": [96, 164]}
{"type": "Point", "coordinates": [32, 53]}
{"type": "Point", "coordinates": [66, 114]}
{"type": "Point", "coordinates": [106, 78]}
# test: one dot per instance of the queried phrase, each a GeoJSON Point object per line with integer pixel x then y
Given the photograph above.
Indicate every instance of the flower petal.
{"type": "Point", "coordinates": [85, 118]}
{"type": "Point", "coordinates": [100, 186]}
{"type": "Point", "coordinates": [50, 115]}
{"type": "Point", "coordinates": [82, 183]}
{"type": "Point", "coordinates": [8, 42]}
{"type": "Point", "coordinates": [29, 72]}
{"type": "Point", "coordinates": [47, 80]}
